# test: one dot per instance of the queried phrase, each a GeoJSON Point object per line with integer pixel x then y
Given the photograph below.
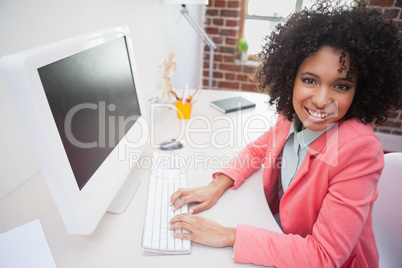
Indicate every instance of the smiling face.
{"type": "Point", "coordinates": [321, 94]}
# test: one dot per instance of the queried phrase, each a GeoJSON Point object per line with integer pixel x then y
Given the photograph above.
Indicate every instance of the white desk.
{"type": "Point", "coordinates": [117, 240]}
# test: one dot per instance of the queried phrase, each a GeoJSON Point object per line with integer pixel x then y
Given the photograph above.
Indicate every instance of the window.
{"type": "Point", "coordinates": [260, 18]}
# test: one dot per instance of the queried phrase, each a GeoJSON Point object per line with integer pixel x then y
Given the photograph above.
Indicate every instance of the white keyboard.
{"type": "Point", "coordinates": [168, 175]}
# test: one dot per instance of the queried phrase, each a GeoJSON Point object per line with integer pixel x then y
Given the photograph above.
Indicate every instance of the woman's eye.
{"type": "Point", "coordinates": [343, 87]}
{"type": "Point", "coordinates": [308, 81]}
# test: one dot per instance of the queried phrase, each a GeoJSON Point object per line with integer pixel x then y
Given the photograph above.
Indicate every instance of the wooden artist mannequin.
{"type": "Point", "coordinates": [169, 63]}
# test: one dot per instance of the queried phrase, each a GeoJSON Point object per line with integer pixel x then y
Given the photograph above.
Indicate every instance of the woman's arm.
{"type": "Point", "coordinates": [240, 167]}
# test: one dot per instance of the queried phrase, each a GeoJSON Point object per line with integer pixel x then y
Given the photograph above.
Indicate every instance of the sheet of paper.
{"type": "Point", "coordinates": [25, 246]}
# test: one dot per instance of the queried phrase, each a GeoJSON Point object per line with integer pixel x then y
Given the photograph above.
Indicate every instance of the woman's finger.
{"type": "Point", "coordinates": [200, 207]}
{"type": "Point", "coordinates": [184, 218]}
{"type": "Point", "coordinates": [187, 236]}
{"type": "Point", "coordinates": [175, 196]}
{"type": "Point", "coordinates": [185, 198]}
{"type": "Point", "coordinates": [203, 231]}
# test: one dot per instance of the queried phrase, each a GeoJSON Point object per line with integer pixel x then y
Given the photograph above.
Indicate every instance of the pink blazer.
{"type": "Point", "coordinates": [326, 213]}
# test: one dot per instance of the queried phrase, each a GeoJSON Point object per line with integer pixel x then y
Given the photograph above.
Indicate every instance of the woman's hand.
{"type": "Point", "coordinates": [206, 196]}
{"type": "Point", "coordinates": [203, 231]}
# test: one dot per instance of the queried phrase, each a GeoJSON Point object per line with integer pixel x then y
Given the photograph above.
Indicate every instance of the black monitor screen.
{"type": "Point", "coordinates": [94, 103]}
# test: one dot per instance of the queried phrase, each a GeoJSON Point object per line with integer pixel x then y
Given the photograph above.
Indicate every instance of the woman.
{"type": "Point", "coordinates": [330, 71]}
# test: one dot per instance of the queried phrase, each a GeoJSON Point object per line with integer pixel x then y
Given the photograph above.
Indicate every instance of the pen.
{"type": "Point", "coordinates": [192, 97]}
{"type": "Point", "coordinates": [175, 95]}
{"type": "Point", "coordinates": [195, 93]}
{"type": "Point", "coordinates": [183, 99]}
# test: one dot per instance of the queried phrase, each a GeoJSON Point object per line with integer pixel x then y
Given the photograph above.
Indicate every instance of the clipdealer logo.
{"type": "Point", "coordinates": [233, 131]}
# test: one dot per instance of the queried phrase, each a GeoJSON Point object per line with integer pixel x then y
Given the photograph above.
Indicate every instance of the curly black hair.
{"type": "Point", "coordinates": [372, 42]}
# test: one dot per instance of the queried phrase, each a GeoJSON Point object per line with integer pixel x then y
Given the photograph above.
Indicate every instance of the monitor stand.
{"type": "Point", "coordinates": [124, 195]}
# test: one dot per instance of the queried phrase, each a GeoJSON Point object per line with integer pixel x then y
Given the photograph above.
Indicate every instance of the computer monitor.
{"type": "Point", "coordinates": [81, 104]}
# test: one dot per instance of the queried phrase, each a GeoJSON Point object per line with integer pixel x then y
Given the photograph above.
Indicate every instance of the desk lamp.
{"type": "Point", "coordinates": [198, 29]}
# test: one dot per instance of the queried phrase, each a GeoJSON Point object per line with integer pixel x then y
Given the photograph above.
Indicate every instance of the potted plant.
{"type": "Point", "coordinates": [242, 48]}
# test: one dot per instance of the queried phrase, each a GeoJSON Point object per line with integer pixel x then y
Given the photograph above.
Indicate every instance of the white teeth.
{"type": "Point", "coordinates": [316, 114]}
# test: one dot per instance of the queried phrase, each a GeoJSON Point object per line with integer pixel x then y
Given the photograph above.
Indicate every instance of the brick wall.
{"type": "Point", "coordinates": [222, 23]}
